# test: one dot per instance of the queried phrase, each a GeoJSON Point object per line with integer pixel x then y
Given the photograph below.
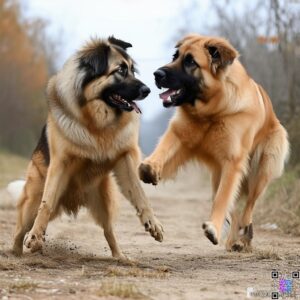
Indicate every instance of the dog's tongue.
{"type": "Point", "coordinates": [136, 108]}
{"type": "Point", "coordinates": [165, 95]}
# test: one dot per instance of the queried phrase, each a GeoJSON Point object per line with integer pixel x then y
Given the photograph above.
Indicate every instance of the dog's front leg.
{"type": "Point", "coordinates": [165, 160]}
{"type": "Point", "coordinates": [127, 177]}
{"type": "Point", "coordinates": [54, 185]}
{"type": "Point", "coordinates": [230, 180]}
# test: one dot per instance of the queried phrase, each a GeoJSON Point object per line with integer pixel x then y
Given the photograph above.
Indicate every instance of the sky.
{"type": "Point", "coordinates": [151, 26]}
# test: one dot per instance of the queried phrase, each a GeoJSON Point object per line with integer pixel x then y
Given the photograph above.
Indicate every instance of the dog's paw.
{"type": "Point", "coordinates": [238, 246]}
{"type": "Point", "coordinates": [246, 238]}
{"type": "Point", "coordinates": [242, 243]}
{"type": "Point", "coordinates": [152, 225]}
{"type": "Point", "coordinates": [121, 257]}
{"type": "Point", "coordinates": [34, 241]}
{"type": "Point", "coordinates": [241, 246]}
{"type": "Point", "coordinates": [148, 174]}
{"type": "Point", "coordinates": [210, 232]}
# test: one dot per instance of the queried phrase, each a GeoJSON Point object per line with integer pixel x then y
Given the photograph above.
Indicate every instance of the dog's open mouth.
{"type": "Point", "coordinates": [125, 104]}
{"type": "Point", "coordinates": [169, 96]}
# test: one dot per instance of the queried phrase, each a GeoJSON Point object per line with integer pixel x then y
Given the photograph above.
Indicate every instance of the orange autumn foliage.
{"type": "Point", "coordinates": [24, 69]}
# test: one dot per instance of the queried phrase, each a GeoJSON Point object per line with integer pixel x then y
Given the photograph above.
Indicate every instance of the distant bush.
{"type": "Point", "coordinates": [25, 64]}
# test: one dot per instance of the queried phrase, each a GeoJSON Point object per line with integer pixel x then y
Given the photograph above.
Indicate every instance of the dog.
{"type": "Point", "coordinates": [88, 147]}
{"type": "Point", "coordinates": [225, 120]}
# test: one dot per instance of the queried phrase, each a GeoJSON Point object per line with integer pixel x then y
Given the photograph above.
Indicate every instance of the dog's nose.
{"type": "Point", "coordinates": [144, 91]}
{"type": "Point", "coordinates": [159, 74]}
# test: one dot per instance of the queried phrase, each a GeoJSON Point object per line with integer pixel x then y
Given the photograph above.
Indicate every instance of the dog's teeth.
{"type": "Point", "coordinates": [169, 98]}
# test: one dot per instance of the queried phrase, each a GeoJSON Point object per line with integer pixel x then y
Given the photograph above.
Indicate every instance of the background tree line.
{"type": "Point", "coordinates": [26, 61]}
{"type": "Point", "coordinates": [266, 33]}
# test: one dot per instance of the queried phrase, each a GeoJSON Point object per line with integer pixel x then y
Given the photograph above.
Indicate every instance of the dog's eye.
{"type": "Point", "coordinates": [122, 71]}
{"type": "Point", "coordinates": [189, 61]}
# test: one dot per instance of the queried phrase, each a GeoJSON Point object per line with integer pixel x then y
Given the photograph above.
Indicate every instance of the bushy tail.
{"type": "Point", "coordinates": [15, 189]}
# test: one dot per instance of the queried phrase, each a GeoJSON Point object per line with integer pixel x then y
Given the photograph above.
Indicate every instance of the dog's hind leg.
{"type": "Point", "coordinates": [27, 207]}
{"type": "Point", "coordinates": [256, 188]}
{"type": "Point", "coordinates": [266, 164]}
{"type": "Point", "coordinates": [103, 206]}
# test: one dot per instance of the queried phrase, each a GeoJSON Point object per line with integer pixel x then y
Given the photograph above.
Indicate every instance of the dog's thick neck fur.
{"type": "Point", "coordinates": [63, 91]}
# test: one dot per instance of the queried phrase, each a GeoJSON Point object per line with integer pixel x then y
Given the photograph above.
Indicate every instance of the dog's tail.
{"type": "Point", "coordinates": [15, 189]}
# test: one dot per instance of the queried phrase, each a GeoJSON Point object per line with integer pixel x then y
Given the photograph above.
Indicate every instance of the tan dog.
{"type": "Point", "coordinates": [225, 120]}
{"type": "Point", "coordinates": [91, 135]}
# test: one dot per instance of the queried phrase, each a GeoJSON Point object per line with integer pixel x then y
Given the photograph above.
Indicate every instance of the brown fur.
{"type": "Point", "coordinates": [232, 129]}
{"type": "Point", "coordinates": [93, 149]}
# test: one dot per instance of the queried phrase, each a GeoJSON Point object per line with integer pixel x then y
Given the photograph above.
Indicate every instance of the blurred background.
{"type": "Point", "coordinates": [36, 37]}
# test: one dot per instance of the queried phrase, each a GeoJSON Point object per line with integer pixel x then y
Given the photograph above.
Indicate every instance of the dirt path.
{"type": "Point", "coordinates": [76, 262]}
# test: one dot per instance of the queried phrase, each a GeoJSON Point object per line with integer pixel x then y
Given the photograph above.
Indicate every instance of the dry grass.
{"type": "Point", "coordinates": [282, 199]}
{"type": "Point", "coordinates": [121, 290]}
{"type": "Point", "coordinates": [23, 286]}
{"type": "Point", "coordinates": [137, 272]}
{"type": "Point", "coordinates": [270, 253]}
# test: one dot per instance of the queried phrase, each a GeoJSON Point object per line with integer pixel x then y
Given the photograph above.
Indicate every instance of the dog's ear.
{"type": "Point", "coordinates": [93, 59]}
{"type": "Point", "coordinates": [221, 54]}
{"type": "Point", "coordinates": [119, 43]}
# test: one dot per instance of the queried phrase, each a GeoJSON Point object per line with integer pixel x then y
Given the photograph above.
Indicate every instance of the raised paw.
{"type": "Point", "coordinates": [210, 232]}
{"type": "Point", "coordinates": [34, 241]}
{"type": "Point", "coordinates": [148, 174]}
{"type": "Point", "coordinates": [152, 225]}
